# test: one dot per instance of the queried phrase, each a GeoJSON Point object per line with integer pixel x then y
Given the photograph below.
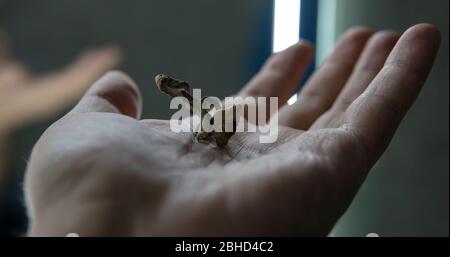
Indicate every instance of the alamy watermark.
{"type": "Point", "coordinates": [234, 114]}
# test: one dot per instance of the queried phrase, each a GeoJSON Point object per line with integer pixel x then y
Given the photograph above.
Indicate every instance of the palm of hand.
{"type": "Point", "coordinates": [197, 179]}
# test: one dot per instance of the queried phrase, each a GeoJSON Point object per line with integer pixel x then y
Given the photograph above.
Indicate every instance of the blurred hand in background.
{"type": "Point", "coordinates": [26, 98]}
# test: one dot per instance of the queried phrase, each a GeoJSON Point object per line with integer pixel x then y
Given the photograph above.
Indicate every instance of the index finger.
{"type": "Point", "coordinates": [375, 115]}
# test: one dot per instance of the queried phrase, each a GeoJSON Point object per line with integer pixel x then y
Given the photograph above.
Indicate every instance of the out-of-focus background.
{"type": "Point", "coordinates": [219, 45]}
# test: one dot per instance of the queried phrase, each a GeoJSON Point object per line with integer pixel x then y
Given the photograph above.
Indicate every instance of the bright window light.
{"type": "Point", "coordinates": [286, 27]}
{"type": "Point", "coordinates": [292, 100]}
{"type": "Point", "coordinates": [286, 24]}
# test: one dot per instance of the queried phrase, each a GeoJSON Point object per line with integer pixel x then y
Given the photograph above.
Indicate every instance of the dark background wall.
{"type": "Point", "coordinates": [206, 42]}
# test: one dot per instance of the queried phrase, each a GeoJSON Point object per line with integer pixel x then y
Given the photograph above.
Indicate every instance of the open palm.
{"type": "Point", "coordinates": [101, 170]}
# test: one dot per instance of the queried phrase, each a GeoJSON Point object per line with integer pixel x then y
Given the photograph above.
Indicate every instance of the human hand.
{"type": "Point", "coordinates": [101, 170]}
{"type": "Point", "coordinates": [25, 98]}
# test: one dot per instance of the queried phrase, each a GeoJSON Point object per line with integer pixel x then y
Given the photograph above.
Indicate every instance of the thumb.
{"type": "Point", "coordinates": [115, 92]}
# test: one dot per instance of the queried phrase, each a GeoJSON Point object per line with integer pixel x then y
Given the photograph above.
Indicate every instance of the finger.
{"type": "Point", "coordinates": [281, 74]}
{"type": "Point", "coordinates": [115, 92]}
{"type": "Point", "coordinates": [12, 73]}
{"type": "Point", "coordinates": [375, 115]}
{"type": "Point", "coordinates": [321, 90]}
{"type": "Point", "coordinates": [369, 64]}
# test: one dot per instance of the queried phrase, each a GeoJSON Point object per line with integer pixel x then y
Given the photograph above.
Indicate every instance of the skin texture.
{"type": "Point", "coordinates": [101, 170]}
{"type": "Point", "coordinates": [26, 98]}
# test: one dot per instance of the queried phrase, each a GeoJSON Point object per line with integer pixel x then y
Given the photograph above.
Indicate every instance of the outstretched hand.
{"type": "Point", "coordinates": [25, 98]}
{"type": "Point", "coordinates": [101, 170]}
